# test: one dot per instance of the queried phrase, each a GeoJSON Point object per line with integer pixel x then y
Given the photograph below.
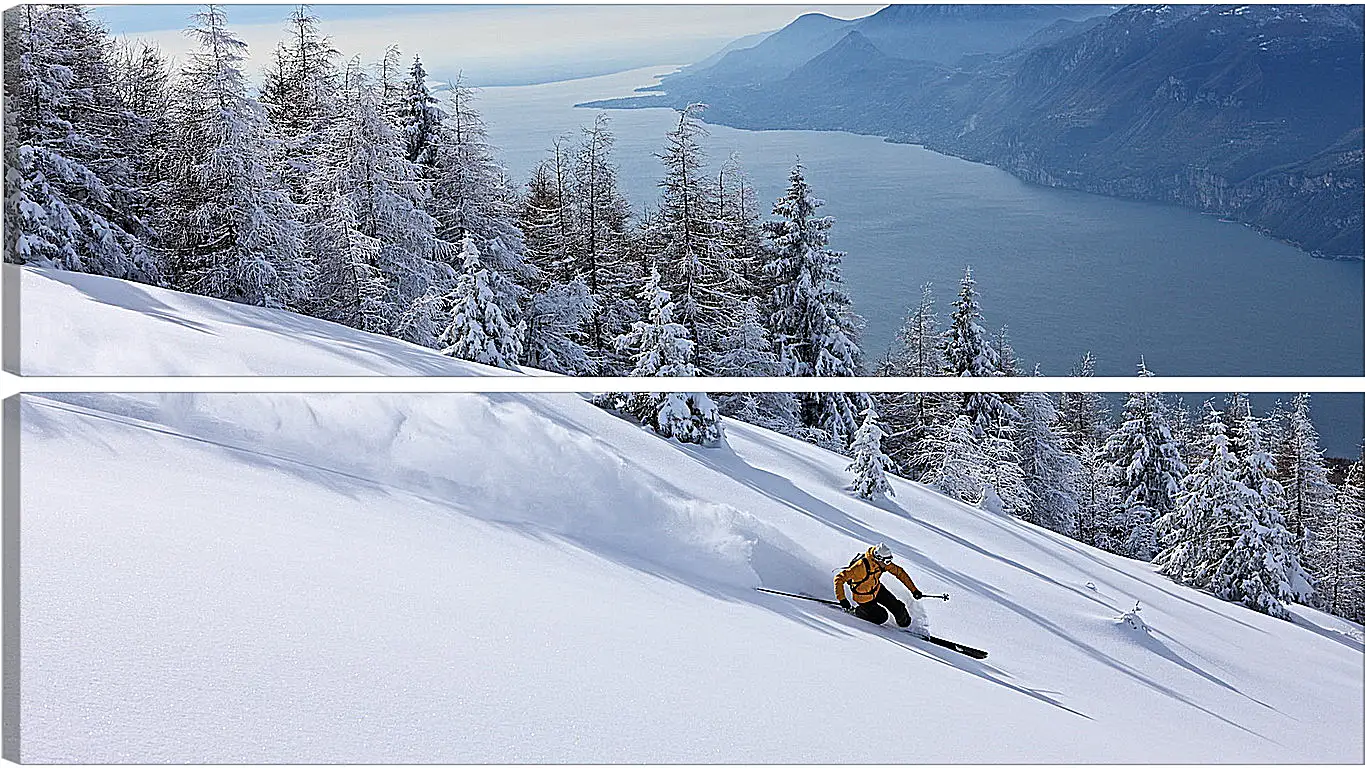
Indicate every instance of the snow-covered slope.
{"type": "Point", "coordinates": [77, 324]}
{"type": "Point", "coordinates": [504, 578]}
{"type": "Point", "coordinates": [495, 578]}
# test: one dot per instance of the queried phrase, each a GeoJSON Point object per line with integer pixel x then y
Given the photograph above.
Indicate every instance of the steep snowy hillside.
{"type": "Point", "coordinates": [506, 578]}
{"type": "Point", "coordinates": [75, 324]}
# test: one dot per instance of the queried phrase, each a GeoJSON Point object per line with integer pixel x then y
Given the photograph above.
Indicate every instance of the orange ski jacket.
{"type": "Point", "coordinates": [863, 577]}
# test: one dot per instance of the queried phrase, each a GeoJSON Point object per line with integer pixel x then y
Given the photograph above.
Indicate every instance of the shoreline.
{"type": "Point", "coordinates": [652, 97]}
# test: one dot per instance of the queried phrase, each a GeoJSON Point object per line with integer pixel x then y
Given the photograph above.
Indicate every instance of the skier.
{"type": "Point", "coordinates": [863, 575]}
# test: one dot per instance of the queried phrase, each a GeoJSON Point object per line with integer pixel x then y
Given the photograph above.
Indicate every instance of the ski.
{"type": "Point", "coordinates": [966, 650]}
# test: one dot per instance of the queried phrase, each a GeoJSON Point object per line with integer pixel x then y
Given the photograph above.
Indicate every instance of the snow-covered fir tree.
{"type": "Point", "coordinates": [1302, 473]}
{"type": "Point", "coordinates": [480, 328]}
{"type": "Point", "coordinates": [369, 235]}
{"type": "Point", "coordinates": [1004, 350]}
{"type": "Point", "coordinates": [420, 117]}
{"type": "Point", "coordinates": [1083, 423]}
{"type": "Point", "coordinates": [561, 305]}
{"type": "Point", "coordinates": [471, 196]}
{"type": "Point", "coordinates": [659, 346]}
{"type": "Point", "coordinates": [746, 350]}
{"type": "Point", "coordinates": [870, 464]}
{"type": "Point", "coordinates": [1147, 470]}
{"type": "Point", "coordinates": [301, 98]}
{"type": "Point", "coordinates": [1007, 490]}
{"type": "Point", "coordinates": [695, 266]}
{"type": "Point", "coordinates": [601, 251]}
{"type": "Point", "coordinates": [143, 83]}
{"type": "Point", "coordinates": [967, 351]}
{"type": "Point", "coordinates": [1049, 471]}
{"type": "Point", "coordinates": [546, 218]}
{"type": "Point", "coordinates": [813, 320]}
{"type": "Point", "coordinates": [741, 228]}
{"type": "Point", "coordinates": [1256, 471]}
{"type": "Point", "coordinates": [960, 465]}
{"type": "Point", "coordinates": [554, 318]}
{"type": "Point", "coordinates": [1339, 549]}
{"type": "Point", "coordinates": [71, 192]}
{"type": "Point", "coordinates": [1221, 538]}
{"type": "Point", "coordinates": [1239, 420]}
{"type": "Point", "coordinates": [1198, 531]}
{"type": "Point", "coordinates": [1083, 416]}
{"type": "Point", "coordinates": [910, 417]}
{"type": "Point", "coordinates": [231, 228]}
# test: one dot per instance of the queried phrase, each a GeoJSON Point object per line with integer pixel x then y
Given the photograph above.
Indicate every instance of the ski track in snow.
{"type": "Point", "coordinates": [522, 578]}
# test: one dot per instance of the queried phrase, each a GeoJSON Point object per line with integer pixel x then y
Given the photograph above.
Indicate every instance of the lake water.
{"type": "Point", "coordinates": [1066, 271]}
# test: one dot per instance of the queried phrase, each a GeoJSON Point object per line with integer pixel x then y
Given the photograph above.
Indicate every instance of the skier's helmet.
{"type": "Point", "coordinates": [882, 553]}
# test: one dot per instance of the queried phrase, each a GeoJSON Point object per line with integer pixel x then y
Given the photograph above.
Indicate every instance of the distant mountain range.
{"type": "Point", "coordinates": [1252, 112]}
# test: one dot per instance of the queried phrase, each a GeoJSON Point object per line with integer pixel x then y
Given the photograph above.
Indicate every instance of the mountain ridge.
{"type": "Point", "coordinates": [1247, 112]}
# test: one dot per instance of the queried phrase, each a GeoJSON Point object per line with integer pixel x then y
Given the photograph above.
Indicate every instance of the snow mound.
{"type": "Point", "coordinates": [72, 323]}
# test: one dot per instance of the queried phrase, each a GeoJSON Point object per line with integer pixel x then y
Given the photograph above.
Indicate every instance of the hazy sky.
{"type": "Point", "coordinates": [491, 44]}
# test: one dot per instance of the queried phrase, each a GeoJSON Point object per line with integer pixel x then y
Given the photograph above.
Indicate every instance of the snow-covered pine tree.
{"type": "Point", "coordinates": [373, 243]}
{"type": "Point", "coordinates": [546, 219]}
{"type": "Point", "coordinates": [747, 351]}
{"type": "Point", "coordinates": [300, 96]}
{"type": "Point", "coordinates": [1339, 548]}
{"type": "Point", "coordinates": [1049, 471]}
{"type": "Point", "coordinates": [1147, 470]}
{"type": "Point", "coordinates": [71, 191]}
{"type": "Point", "coordinates": [389, 82]}
{"type": "Point", "coordinates": [697, 269]}
{"type": "Point", "coordinates": [479, 327]}
{"type": "Point", "coordinates": [1256, 471]}
{"type": "Point", "coordinates": [661, 347]}
{"type": "Point", "coordinates": [1004, 350]}
{"type": "Point", "coordinates": [1083, 416]}
{"type": "Point", "coordinates": [232, 230]}
{"type": "Point", "coordinates": [555, 317]}
{"type": "Point", "coordinates": [420, 118]}
{"type": "Point", "coordinates": [560, 305]}
{"type": "Point", "coordinates": [143, 84]}
{"type": "Point", "coordinates": [813, 320]}
{"type": "Point", "coordinates": [960, 465]}
{"type": "Point", "coordinates": [909, 417]}
{"type": "Point", "coordinates": [1220, 538]}
{"type": "Point", "coordinates": [967, 351]}
{"type": "Point", "coordinates": [1008, 491]}
{"type": "Point", "coordinates": [472, 196]}
{"type": "Point", "coordinates": [1084, 426]}
{"type": "Point", "coordinates": [741, 228]}
{"type": "Point", "coordinates": [602, 240]}
{"type": "Point", "coordinates": [1303, 475]}
{"type": "Point", "coordinates": [870, 464]}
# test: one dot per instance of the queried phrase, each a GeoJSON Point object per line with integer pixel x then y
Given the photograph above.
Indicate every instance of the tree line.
{"type": "Point", "coordinates": [359, 193]}
{"type": "Point", "coordinates": [1225, 500]}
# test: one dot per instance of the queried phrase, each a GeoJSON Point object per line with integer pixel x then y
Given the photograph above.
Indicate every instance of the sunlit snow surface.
{"type": "Point", "coordinates": [507, 578]}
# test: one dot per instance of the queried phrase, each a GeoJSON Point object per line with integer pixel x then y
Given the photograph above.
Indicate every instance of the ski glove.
{"type": "Point", "coordinates": [843, 603]}
{"type": "Point", "coordinates": [918, 594]}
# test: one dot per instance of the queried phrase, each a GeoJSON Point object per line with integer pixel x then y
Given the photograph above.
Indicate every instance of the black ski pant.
{"type": "Point", "coordinates": [875, 609]}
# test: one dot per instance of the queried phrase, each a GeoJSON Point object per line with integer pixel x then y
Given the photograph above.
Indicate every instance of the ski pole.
{"type": "Point", "coordinates": [799, 597]}
{"type": "Point", "coordinates": [936, 597]}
